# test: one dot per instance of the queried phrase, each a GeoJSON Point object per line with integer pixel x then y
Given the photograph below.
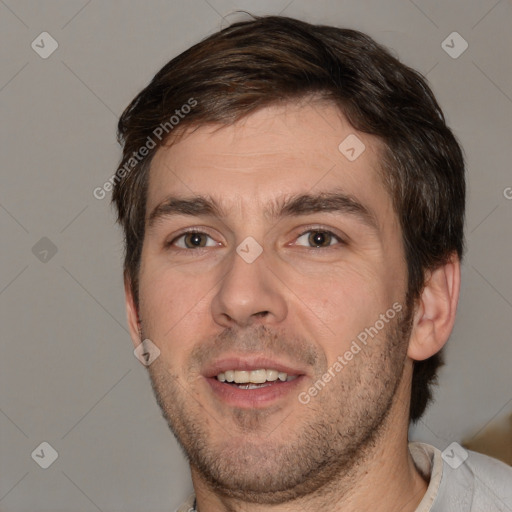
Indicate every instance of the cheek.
{"type": "Point", "coordinates": [342, 292]}
{"type": "Point", "coordinates": [342, 304]}
{"type": "Point", "coordinates": [170, 305]}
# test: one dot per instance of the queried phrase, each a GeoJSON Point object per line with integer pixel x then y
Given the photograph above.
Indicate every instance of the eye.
{"type": "Point", "coordinates": [192, 240]}
{"type": "Point", "coordinates": [319, 238]}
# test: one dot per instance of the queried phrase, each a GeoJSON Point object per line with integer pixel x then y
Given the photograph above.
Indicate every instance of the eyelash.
{"type": "Point", "coordinates": [315, 229]}
{"type": "Point", "coordinates": [184, 233]}
{"type": "Point", "coordinates": [325, 231]}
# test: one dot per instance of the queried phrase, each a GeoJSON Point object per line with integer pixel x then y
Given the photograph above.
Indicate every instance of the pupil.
{"type": "Point", "coordinates": [195, 239]}
{"type": "Point", "coordinates": [319, 238]}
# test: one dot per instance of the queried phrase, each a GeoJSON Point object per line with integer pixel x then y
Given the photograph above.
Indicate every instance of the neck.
{"type": "Point", "coordinates": [383, 479]}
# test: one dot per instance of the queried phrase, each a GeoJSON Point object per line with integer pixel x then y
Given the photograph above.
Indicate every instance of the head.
{"type": "Point", "coordinates": [251, 119]}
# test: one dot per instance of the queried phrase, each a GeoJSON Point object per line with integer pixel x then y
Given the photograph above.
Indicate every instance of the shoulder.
{"type": "Point", "coordinates": [472, 482]}
{"type": "Point", "coordinates": [463, 480]}
{"type": "Point", "coordinates": [492, 480]}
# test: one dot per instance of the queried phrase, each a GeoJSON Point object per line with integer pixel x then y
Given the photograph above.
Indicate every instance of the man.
{"type": "Point", "coordinates": [293, 209]}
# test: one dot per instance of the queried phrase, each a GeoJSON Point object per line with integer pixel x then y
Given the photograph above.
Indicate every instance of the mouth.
{"type": "Point", "coordinates": [254, 379]}
{"type": "Point", "coordinates": [252, 382]}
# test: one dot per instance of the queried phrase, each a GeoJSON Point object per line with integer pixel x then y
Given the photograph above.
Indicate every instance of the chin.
{"type": "Point", "coordinates": [259, 473]}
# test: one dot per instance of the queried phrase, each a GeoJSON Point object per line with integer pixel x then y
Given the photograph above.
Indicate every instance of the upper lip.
{"type": "Point", "coordinates": [249, 363]}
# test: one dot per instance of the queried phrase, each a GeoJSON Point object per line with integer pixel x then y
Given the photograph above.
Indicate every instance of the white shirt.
{"type": "Point", "coordinates": [479, 484]}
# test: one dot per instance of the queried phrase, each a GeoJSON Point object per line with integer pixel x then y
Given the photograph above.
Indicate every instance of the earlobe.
{"type": "Point", "coordinates": [132, 313]}
{"type": "Point", "coordinates": [435, 311]}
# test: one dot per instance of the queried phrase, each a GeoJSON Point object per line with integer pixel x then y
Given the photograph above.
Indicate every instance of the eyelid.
{"type": "Point", "coordinates": [201, 230]}
{"type": "Point", "coordinates": [343, 240]}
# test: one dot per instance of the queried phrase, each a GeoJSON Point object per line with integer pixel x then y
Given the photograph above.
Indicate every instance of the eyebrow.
{"type": "Point", "coordinates": [293, 206]}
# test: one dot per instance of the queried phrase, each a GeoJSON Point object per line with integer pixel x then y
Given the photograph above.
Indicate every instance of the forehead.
{"type": "Point", "coordinates": [277, 151]}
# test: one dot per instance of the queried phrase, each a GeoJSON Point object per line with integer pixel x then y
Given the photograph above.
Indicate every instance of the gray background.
{"type": "Point", "coordinates": [68, 374]}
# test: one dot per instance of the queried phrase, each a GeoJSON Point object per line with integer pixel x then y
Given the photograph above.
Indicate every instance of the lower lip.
{"type": "Point", "coordinates": [253, 398]}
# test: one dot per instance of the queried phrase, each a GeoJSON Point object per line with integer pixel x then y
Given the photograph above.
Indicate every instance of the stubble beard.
{"type": "Point", "coordinates": [276, 463]}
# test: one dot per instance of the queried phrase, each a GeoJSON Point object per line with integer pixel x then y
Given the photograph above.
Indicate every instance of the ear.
{"type": "Point", "coordinates": [132, 313]}
{"type": "Point", "coordinates": [435, 311]}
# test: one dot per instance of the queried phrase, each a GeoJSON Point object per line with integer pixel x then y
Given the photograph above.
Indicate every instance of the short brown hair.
{"type": "Point", "coordinates": [254, 64]}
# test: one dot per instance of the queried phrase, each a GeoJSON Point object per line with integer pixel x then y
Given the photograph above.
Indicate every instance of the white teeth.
{"type": "Point", "coordinates": [254, 377]}
{"type": "Point", "coordinates": [258, 376]}
{"type": "Point", "coordinates": [272, 375]}
{"type": "Point", "coordinates": [242, 377]}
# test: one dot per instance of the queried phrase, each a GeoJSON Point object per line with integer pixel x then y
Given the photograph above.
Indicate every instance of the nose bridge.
{"type": "Point", "coordinates": [249, 290]}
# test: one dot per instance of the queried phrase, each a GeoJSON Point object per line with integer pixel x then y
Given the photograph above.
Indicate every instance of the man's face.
{"type": "Point", "coordinates": [214, 305]}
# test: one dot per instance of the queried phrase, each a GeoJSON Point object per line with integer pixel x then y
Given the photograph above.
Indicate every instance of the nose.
{"type": "Point", "coordinates": [249, 293]}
